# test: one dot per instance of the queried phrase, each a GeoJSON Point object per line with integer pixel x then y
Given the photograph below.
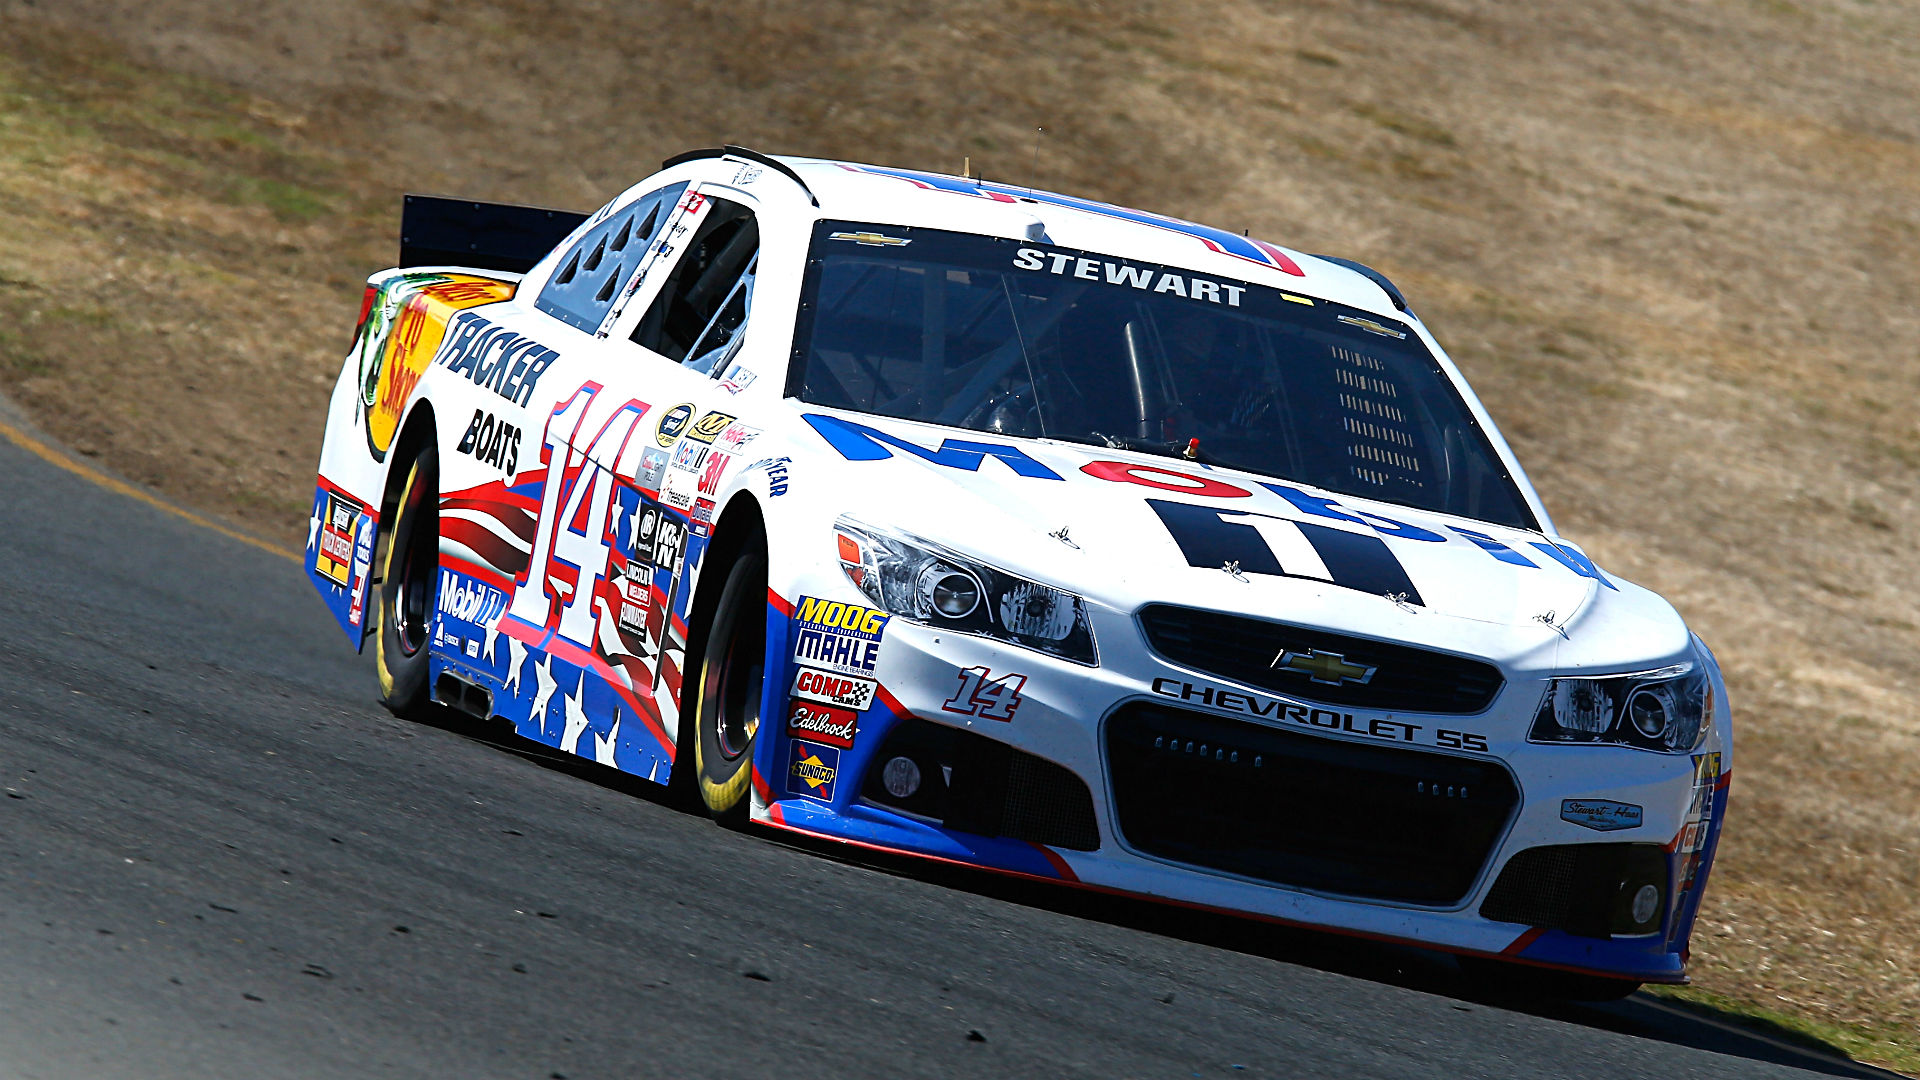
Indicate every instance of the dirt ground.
{"type": "Point", "coordinates": [1674, 245]}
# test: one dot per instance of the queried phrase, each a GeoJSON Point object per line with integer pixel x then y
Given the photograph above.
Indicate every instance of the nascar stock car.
{"type": "Point", "coordinates": [1022, 531]}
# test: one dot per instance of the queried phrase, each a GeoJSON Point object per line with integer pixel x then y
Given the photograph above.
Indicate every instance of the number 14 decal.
{"type": "Point", "coordinates": [981, 694]}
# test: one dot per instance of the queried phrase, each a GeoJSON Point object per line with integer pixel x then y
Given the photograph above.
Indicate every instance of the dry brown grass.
{"type": "Point", "coordinates": [1673, 245]}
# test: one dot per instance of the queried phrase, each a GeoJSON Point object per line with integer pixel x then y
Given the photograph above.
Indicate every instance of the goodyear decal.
{"type": "Point", "coordinates": [842, 638]}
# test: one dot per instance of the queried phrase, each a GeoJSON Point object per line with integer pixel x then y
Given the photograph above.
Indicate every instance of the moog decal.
{"type": "Point", "coordinates": [843, 638]}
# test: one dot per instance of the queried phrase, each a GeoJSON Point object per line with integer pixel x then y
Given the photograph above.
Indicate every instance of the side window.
{"type": "Point", "coordinates": [697, 317]}
{"type": "Point", "coordinates": [590, 274]}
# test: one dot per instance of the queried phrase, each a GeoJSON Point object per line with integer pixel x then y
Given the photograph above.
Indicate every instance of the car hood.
{"type": "Point", "coordinates": [1126, 529]}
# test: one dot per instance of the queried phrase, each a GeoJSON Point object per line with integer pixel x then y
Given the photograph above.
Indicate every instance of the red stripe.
{"type": "Point", "coordinates": [761, 788]}
{"type": "Point", "coordinates": [1525, 939]}
{"type": "Point", "coordinates": [1059, 864]}
{"type": "Point", "coordinates": [477, 570]}
{"type": "Point", "coordinates": [780, 603]}
{"type": "Point", "coordinates": [501, 555]}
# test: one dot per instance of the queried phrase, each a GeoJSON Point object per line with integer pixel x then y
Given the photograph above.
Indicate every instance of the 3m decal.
{"type": "Point", "coordinates": [1212, 538]}
{"type": "Point", "coordinates": [672, 423]}
{"type": "Point", "coordinates": [492, 442]}
{"type": "Point", "coordinates": [334, 556]}
{"type": "Point", "coordinates": [404, 328]}
{"type": "Point", "coordinates": [494, 357]}
{"type": "Point", "coordinates": [858, 442]}
{"type": "Point", "coordinates": [709, 426]}
{"type": "Point", "coordinates": [711, 472]}
{"type": "Point", "coordinates": [1600, 814]}
{"type": "Point", "coordinates": [822, 723]}
{"type": "Point", "coordinates": [1220, 240]}
{"type": "Point", "coordinates": [843, 638]}
{"type": "Point", "coordinates": [981, 694]}
{"type": "Point", "coordinates": [813, 769]}
{"type": "Point", "coordinates": [828, 688]}
{"type": "Point", "coordinates": [1145, 279]}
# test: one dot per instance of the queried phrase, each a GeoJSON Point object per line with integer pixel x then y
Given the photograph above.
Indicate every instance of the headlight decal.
{"type": "Point", "coordinates": [919, 580]}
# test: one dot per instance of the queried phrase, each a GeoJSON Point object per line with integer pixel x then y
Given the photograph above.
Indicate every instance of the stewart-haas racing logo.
{"type": "Point", "coordinates": [823, 723]}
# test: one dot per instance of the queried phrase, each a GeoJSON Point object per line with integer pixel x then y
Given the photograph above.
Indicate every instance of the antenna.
{"type": "Point", "coordinates": [966, 168]}
{"type": "Point", "coordinates": [1034, 174]}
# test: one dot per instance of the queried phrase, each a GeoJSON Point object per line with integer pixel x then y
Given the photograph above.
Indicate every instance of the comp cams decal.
{"type": "Point", "coordinates": [842, 638]}
{"type": "Point", "coordinates": [1324, 720]}
{"type": "Point", "coordinates": [828, 688]}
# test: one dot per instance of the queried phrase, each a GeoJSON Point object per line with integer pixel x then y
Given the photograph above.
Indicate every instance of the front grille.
{"type": "Point", "coordinates": [980, 785]}
{"type": "Point", "coordinates": [1379, 822]}
{"type": "Point", "coordinates": [1405, 679]}
{"type": "Point", "coordinates": [1584, 889]}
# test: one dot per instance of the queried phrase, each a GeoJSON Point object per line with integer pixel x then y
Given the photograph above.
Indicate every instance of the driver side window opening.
{"type": "Point", "coordinates": [591, 273]}
{"type": "Point", "coordinates": [698, 315]}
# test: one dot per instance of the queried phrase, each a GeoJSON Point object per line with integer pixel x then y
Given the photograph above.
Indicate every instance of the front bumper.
{"type": "Point", "coordinates": [1074, 717]}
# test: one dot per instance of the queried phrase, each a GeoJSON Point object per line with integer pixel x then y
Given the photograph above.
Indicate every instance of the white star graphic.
{"type": "Point", "coordinates": [603, 748]}
{"type": "Point", "coordinates": [493, 636]}
{"type": "Point", "coordinates": [547, 685]}
{"type": "Point", "coordinates": [516, 659]}
{"type": "Point", "coordinates": [576, 718]}
{"type": "Point", "coordinates": [313, 529]}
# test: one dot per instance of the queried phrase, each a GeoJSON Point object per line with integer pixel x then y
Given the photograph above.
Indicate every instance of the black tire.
{"type": "Point", "coordinates": [725, 703]}
{"type": "Point", "coordinates": [409, 580]}
{"type": "Point", "coordinates": [1524, 982]}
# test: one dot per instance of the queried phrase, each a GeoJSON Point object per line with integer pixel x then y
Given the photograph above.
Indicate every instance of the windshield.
{"type": "Point", "coordinates": [1028, 340]}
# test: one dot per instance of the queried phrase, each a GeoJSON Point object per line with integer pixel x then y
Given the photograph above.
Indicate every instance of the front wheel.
{"type": "Point", "coordinates": [726, 696]}
{"type": "Point", "coordinates": [408, 578]}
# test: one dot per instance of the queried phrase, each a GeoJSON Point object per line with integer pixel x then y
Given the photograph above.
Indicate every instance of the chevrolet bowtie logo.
{"type": "Point", "coordinates": [871, 239]}
{"type": "Point", "coordinates": [1323, 667]}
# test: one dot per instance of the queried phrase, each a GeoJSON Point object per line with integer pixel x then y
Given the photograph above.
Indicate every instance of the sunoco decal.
{"type": "Point", "coordinates": [812, 769]}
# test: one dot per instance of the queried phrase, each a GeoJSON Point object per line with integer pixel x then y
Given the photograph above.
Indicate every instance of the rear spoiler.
{"type": "Point", "coordinates": [436, 231]}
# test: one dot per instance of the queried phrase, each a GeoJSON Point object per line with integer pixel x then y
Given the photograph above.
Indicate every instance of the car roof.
{"type": "Point", "coordinates": [853, 191]}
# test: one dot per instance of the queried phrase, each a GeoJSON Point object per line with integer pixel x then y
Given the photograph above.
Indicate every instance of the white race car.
{"type": "Point", "coordinates": [1021, 531]}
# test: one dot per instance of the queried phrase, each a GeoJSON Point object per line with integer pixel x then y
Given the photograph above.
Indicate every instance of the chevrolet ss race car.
{"type": "Point", "coordinates": [1031, 533]}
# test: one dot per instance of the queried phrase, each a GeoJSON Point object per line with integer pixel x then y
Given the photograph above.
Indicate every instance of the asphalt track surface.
{"type": "Point", "coordinates": [219, 857]}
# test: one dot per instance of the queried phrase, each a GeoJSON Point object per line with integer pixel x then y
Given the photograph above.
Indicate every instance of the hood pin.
{"type": "Point", "coordinates": [1233, 567]}
{"type": "Point", "coordinates": [1061, 535]}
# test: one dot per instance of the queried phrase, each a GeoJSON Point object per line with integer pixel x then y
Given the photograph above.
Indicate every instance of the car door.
{"type": "Point", "coordinates": [628, 454]}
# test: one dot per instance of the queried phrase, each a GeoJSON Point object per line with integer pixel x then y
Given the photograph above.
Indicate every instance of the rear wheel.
{"type": "Point", "coordinates": [409, 575]}
{"type": "Point", "coordinates": [726, 696]}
